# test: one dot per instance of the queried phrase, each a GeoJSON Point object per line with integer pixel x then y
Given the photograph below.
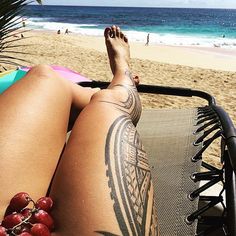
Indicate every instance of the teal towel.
{"type": "Point", "coordinates": [9, 79]}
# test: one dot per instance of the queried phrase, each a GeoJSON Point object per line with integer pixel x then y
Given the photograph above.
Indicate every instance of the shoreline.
{"type": "Point", "coordinates": [223, 59]}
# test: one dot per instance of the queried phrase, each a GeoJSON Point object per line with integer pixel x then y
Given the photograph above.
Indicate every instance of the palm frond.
{"type": "Point", "coordinates": [10, 23]}
{"type": "Point", "coordinates": [13, 33]}
{"type": "Point", "coordinates": [39, 2]}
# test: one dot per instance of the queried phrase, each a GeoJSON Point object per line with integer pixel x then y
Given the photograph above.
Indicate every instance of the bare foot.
{"type": "Point", "coordinates": [117, 48]}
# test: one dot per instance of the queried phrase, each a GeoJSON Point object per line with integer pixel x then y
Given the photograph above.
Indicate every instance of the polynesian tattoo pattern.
{"type": "Point", "coordinates": [129, 173]}
{"type": "Point", "coordinates": [130, 180]}
{"type": "Point", "coordinates": [131, 105]}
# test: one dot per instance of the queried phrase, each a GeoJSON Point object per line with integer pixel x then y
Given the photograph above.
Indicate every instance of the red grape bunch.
{"type": "Point", "coordinates": [25, 219]}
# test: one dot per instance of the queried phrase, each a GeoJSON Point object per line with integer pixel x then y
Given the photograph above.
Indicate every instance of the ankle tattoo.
{"type": "Point", "coordinates": [131, 104]}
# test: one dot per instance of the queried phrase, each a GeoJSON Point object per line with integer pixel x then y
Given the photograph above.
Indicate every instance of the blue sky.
{"type": "Point", "coordinates": [147, 3]}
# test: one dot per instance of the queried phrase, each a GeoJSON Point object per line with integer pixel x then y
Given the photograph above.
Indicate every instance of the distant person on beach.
{"type": "Point", "coordinates": [23, 20]}
{"type": "Point", "coordinates": [95, 178]}
{"type": "Point", "coordinates": [67, 31]}
{"type": "Point", "coordinates": [59, 32]}
{"type": "Point", "coordinates": [147, 43]}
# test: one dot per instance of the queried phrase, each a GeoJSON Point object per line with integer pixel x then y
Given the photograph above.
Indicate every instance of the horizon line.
{"type": "Point", "coordinates": [192, 7]}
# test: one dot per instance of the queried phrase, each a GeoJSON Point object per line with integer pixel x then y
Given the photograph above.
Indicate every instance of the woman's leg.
{"type": "Point", "coordinates": [33, 122]}
{"type": "Point", "coordinates": [103, 184]}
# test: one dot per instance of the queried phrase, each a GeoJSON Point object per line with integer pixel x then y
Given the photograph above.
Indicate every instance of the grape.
{"type": "Point", "coordinates": [19, 220]}
{"type": "Point", "coordinates": [3, 231]}
{"type": "Point", "coordinates": [9, 211]}
{"type": "Point", "coordinates": [25, 234]}
{"type": "Point", "coordinates": [26, 228]}
{"type": "Point", "coordinates": [43, 217]}
{"type": "Point", "coordinates": [27, 212]}
{"type": "Point", "coordinates": [11, 220]}
{"type": "Point", "coordinates": [44, 203]}
{"type": "Point", "coordinates": [40, 230]}
{"type": "Point", "coordinates": [20, 201]}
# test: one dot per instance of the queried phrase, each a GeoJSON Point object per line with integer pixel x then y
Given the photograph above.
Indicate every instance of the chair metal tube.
{"type": "Point", "coordinates": [230, 188]}
{"type": "Point", "coordinates": [144, 88]}
{"type": "Point", "coordinates": [229, 133]}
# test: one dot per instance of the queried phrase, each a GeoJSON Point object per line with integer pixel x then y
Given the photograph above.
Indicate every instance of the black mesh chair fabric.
{"type": "Point", "coordinates": [168, 139]}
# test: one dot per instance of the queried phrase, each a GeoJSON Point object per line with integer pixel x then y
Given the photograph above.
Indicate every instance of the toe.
{"type": "Point", "coordinates": [122, 35]}
{"type": "Point", "coordinates": [125, 39]}
{"type": "Point", "coordinates": [107, 33]}
{"type": "Point", "coordinates": [118, 32]}
{"type": "Point", "coordinates": [113, 30]}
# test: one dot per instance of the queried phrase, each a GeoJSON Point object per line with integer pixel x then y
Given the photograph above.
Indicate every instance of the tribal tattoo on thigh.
{"type": "Point", "coordinates": [128, 172]}
{"type": "Point", "coordinates": [129, 179]}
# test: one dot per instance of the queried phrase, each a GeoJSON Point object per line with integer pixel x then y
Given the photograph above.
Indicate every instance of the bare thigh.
{"type": "Point", "coordinates": [97, 173]}
{"type": "Point", "coordinates": [33, 122]}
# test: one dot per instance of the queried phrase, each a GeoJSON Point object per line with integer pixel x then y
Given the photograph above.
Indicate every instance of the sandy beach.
{"type": "Point", "coordinates": [212, 70]}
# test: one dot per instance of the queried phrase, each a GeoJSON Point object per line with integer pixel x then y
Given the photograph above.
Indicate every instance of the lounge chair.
{"type": "Point", "coordinates": [175, 140]}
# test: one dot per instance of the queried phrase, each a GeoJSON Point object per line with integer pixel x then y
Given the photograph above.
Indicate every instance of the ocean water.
{"type": "Point", "coordinates": [170, 26]}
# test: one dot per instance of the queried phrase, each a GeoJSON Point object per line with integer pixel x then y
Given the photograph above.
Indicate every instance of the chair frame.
{"type": "Point", "coordinates": [216, 120]}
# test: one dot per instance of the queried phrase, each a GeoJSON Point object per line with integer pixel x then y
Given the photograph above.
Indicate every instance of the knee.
{"type": "Point", "coordinates": [102, 95]}
{"type": "Point", "coordinates": [108, 95]}
{"type": "Point", "coordinates": [45, 74]}
{"type": "Point", "coordinates": [42, 71]}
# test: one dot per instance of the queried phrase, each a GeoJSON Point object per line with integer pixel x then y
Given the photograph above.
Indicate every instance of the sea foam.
{"type": "Point", "coordinates": [136, 36]}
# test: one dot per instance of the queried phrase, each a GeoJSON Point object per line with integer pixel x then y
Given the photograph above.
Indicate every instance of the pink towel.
{"type": "Point", "coordinates": [71, 75]}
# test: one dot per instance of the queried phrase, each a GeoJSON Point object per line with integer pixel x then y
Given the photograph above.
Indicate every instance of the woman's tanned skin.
{"type": "Point", "coordinates": [102, 184]}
